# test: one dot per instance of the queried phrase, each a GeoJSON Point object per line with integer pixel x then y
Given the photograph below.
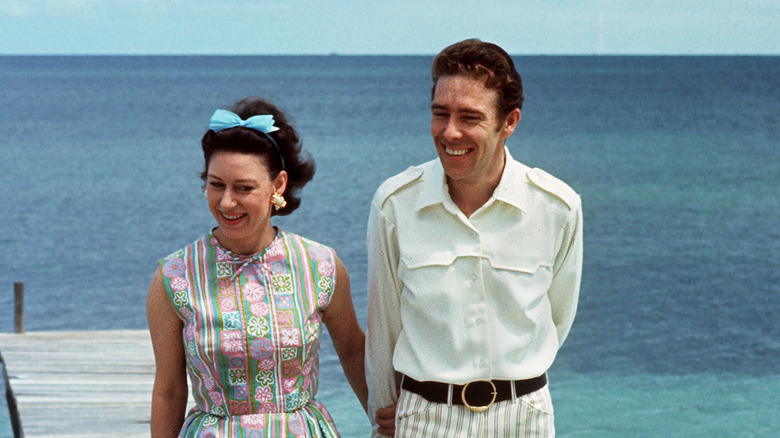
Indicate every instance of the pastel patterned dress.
{"type": "Point", "coordinates": [251, 336]}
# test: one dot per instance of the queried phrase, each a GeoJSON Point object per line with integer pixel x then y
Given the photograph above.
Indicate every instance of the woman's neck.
{"type": "Point", "coordinates": [249, 245]}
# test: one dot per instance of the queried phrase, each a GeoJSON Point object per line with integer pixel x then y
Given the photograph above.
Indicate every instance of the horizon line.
{"type": "Point", "coordinates": [337, 54]}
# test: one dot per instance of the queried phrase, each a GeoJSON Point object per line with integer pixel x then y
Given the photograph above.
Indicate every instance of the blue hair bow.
{"type": "Point", "coordinates": [223, 119]}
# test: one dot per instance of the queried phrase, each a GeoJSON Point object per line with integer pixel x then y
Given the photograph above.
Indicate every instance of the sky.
{"type": "Point", "coordinates": [288, 27]}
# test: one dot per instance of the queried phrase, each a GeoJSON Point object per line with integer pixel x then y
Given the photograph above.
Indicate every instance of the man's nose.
{"type": "Point", "coordinates": [452, 129]}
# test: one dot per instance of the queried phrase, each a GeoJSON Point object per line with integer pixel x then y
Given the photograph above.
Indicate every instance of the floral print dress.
{"type": "Point", "coordinates": [251, 336]}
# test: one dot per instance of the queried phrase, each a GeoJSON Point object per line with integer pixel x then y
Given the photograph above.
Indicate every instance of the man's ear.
{"type": "Point", "coordinates": [510, 123]}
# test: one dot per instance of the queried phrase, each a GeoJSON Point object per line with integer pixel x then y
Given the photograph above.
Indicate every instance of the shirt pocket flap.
{"type": "Point", "coordinates": [515, 262]}
{"type": "Point", "coordinates": [422, 259]}
{"type": "Point", "coordinates": [520, 263]}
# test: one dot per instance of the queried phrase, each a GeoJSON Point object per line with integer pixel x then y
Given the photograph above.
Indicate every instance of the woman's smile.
{"type": "Point", "coordinates": [232, 219]}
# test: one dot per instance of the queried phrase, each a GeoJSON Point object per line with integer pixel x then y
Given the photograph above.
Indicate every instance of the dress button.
{"type": "Point", "coordinates": [473, 234]}
{"type": "Point", "coordinates": [479, 321]}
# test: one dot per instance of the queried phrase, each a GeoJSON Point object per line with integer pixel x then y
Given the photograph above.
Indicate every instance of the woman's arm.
{"type": "Point", "coordinates": [169, 395]}
{"type": "Point", "coordinates": [347, 335]}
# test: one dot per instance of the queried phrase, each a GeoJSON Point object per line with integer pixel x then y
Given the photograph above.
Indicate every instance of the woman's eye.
{"type": "Point", "coordinates": [216, 185]}
{"type": "Point", "coordinates": [246, 188]}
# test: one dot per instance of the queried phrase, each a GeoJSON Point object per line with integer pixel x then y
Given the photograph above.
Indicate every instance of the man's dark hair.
{"type": "Point", "coordinates": [478, 59]}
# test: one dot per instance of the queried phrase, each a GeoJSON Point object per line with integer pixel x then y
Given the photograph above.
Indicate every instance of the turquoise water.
{"type": "Point", "coordinates": [655, 405]}
{"type": "Point", "coordinates": [676, 159]}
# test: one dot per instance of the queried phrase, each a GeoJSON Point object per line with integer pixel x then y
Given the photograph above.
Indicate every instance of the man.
{"type": "Point", "coordinates": [474, 268]}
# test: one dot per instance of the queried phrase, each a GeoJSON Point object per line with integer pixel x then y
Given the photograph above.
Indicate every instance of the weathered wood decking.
{"type": "Point", "coordinates": [81, 384]}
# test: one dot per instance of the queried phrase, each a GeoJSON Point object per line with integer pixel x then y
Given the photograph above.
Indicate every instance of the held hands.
{"type": "Point", "coordinates": [385, 419]}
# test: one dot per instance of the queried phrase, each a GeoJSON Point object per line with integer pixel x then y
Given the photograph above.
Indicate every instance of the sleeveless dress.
{"type": "Point", "coordinates": [251, 336]}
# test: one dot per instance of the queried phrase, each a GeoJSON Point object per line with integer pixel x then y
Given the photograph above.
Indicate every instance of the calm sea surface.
{"type": "Point", "coordinates": [677, 160]}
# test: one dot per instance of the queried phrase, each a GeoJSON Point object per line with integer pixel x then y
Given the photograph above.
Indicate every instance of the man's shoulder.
{"type": "Point", "coordinates": [553, 186]}
{"type": "Point", "coordinates": [412, 176]}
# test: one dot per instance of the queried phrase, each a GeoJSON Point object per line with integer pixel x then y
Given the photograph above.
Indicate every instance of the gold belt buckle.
{"type": "Point", "coordinates": [478, 408]}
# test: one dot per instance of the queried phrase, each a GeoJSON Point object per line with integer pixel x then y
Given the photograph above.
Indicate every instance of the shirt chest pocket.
{"type": "Point", "coordinates": [452, 283]}
{"type": "Point", "coordinates": [434, 281]}
{"type": "Point", "coordinates": [428, 270]}
{"type": "Point", "coordinates": [523, 251]}
{"type": "Point", "coordinates": [429, 265]}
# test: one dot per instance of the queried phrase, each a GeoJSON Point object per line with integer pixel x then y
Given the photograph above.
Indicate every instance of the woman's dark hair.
{"type": "Point", "coordinates": [477, 59]}
{"type": "Point", "coordinates": [297, 162]}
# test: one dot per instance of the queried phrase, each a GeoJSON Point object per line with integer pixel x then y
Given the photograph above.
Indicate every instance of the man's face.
{"type": "Point", "coordinates": [468, 133]}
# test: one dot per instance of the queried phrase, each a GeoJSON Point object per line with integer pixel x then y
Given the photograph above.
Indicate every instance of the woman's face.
{"type": "Point", "coordinates": [239, 190]}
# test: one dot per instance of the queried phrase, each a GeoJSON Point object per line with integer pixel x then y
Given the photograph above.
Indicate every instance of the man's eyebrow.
{"type": "Point", "coordinates": [466, 110]}
{"type": "Point", "coordinates": [471, 111]}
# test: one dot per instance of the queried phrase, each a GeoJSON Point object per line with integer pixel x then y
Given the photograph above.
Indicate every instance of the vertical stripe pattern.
{"type": "Point", "coordinates": [529, 416]}
{"type": "Point", "coordinates": [252, 326]}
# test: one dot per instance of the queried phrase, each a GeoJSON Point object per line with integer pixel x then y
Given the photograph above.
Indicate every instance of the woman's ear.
{"type": "Point", "coordinates": [280, 182]}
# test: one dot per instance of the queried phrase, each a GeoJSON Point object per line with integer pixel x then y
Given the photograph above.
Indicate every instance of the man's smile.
{"type": "Point", "coordinates": [455, 152]}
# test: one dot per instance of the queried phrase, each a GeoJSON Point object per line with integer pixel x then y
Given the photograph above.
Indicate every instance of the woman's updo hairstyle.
{"type": "Point", "coordinates": [297, 162]}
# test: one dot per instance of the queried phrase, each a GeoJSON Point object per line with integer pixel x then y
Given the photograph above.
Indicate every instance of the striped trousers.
{"type": "Point", "coordinates": [528, 416]}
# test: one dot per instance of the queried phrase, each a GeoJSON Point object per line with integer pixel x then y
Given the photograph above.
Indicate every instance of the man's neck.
{"type": "Point", "coordinates": [468, 200]}
{"type": "Point", "coordinates": [471, 196]}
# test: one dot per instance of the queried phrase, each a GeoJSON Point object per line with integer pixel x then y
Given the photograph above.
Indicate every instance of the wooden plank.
{"type": "Point", "coordinates": [81, 384]}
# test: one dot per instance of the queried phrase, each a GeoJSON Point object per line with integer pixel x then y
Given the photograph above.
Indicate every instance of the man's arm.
{"type": "Point", "coordinates": [384, 313]}
{"type": "Point", "coordinates": [565, 288]}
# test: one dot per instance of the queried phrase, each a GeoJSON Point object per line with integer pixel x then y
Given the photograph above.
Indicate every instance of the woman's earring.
{"type": "Point", "coordinates": [278, 201]}
{"type": "Point", "coordinates": [206, 193]}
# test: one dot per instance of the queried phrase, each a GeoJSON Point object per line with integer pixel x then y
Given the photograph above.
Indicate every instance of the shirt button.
{"type": "Point", "coordinates": [479, 321]}
{"type": "Point", "coordinates": [473, 234]}
{"type": "Point", "coordinates": [474, 277]}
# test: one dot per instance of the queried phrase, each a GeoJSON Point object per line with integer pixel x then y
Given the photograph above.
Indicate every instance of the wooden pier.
{"type": "Point", "coordinates": [81, 384]}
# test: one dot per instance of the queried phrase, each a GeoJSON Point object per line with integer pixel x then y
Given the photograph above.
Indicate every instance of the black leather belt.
{"type": "Point", "coordinates": [477, 396]}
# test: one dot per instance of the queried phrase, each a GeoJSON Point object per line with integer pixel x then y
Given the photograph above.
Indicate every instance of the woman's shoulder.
{"type": "Point", "coordinates": [316, 250]}
{"type": "Point", "coordinates": [199, 244]}
{"type": "Point", "coordinates": [302, 240]}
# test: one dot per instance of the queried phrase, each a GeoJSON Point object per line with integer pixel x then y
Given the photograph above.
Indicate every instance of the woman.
{"type": "Point", "coordinates": [240, 309]}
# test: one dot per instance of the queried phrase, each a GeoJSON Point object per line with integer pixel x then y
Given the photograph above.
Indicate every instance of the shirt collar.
{"type": "Point", "coordinates": [513, 186]}
{"type": "Point", "coordinates": [511, 189]}
{"type": "Point", "coordinates": [434, 188]}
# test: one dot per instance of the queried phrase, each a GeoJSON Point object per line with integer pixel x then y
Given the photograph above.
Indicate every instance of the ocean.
{"type": "Point", "coordinates": [677, 160]}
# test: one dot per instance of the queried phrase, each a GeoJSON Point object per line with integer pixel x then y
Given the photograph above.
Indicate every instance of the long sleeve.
{"type": "Point", "coordinates": [384, 313]}
{"type": "Point", "coordinates": [565, 288]}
